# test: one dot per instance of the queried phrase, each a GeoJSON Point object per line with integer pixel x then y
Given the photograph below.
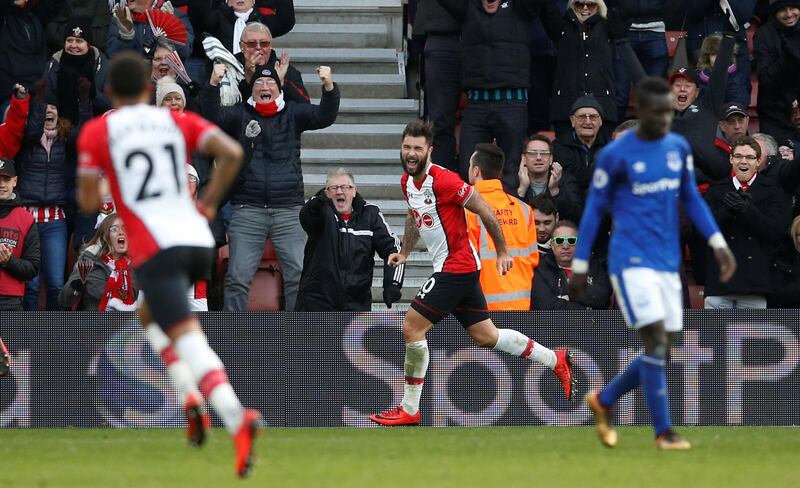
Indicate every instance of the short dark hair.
{"type": "Point", "coordinates": [749, 142]}
{"type": "Point", "coordinates": [418, 128]}
{"type": "Point", "coordinates": [128, 74]}
{"type": "Point", "coordinates": [650, 87]}
{"type": "Point", "coordinates": [540, 138]}
{"type": "Point", "coordinates": [490, 159]}
{"type": "Point", "coordinates": [566, 223]}
{"type": "Point", "coordinates": [544, 203]}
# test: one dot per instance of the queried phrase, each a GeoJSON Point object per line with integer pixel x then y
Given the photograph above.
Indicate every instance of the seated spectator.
{"type": "Point", "coordinates": [23, 50]}
{"type": "Point", "coordinates": [551, 282]}
{"type": "Point", "coordinates": [161, 69]}
{"type": "Point", "coordinates": [78, 63]}
{"type": "Point", "coordinates": [546, 216]}
{"type": "Point", "coordinates": [198, 293]}
{"type": "Point", "coordinates": [19, 242]}
{"type": "Point", "coordinates": [733, 125]}
{"type": "Point", "coordinates": [256, 50]}
{"type": "Point", "coordinates": [539, 174]}
{"type": "Point", "coordinates": [170, 94]}
{"type": "Point", "coordinates": [228, 20]}
{"type": "Point", "coordinates": [46, 187]}
{"type": "Point", "coordinates": [130, 30]}
{"type": "Point", "coordinates": [708, 55]}
{"type": "Point", "coordinates": [268, 195]}
{"type": "Point", "coordinates": [786, 271]}
{"type": "Point", "coordinates": [344, 233]}
{"type": "Point", "coordinates": [585, 64]}
{"type": "Point", "coordinates": [785, 174]}
{"type": "Point", "coordinates": [12, 129]}
{"type": "Point", "coordinates": [576, 150]}
{"type": "Point", "coordinates": [511, 291]}
{"type": "Point", "coordinates": [752, 213]}
{"type": "Point", "coordinates": [777, 55]}
{"type": "Point", "coordinates": [101, 279]}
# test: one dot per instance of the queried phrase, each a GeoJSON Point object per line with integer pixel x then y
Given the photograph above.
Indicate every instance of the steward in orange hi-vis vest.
{"type": "Point", "coordinates": [512, 291]}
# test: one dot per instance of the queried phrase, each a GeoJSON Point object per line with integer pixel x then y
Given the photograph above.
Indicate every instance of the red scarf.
{"type": "Point", "coordinates": [267, 109]}
{"type": "Point", "coordinates": [119, 282]}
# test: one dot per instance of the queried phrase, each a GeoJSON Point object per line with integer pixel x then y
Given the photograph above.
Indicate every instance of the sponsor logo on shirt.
{"type": "Point", "coordinates": [664, 184]}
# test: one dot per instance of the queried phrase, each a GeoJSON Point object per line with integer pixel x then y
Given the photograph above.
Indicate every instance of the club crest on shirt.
{"type": "Point", "coordinates": [428, 196]}
{"type": "Point", "coordinates": [639, 167]}
{"type": "Point", "coordinates": [463, 190]}
{"type": "Point", "coordinates": [674, 161]}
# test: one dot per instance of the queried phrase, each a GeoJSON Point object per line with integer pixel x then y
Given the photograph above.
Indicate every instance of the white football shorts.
{"type": "Point", "coordinates": [646, 296]}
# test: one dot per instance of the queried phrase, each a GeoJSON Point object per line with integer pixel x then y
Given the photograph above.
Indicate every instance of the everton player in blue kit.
{"type": "Point", "coordinates": [642, 177]}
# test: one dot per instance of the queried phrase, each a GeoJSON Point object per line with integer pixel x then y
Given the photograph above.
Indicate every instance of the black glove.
{"type": "Point", "coordinates": [317, 203]}
{"type": "Point", "coordinates": [734, 201]}
{"type": "Point", "coordinates": [391, 295]}
{"type": "Point", "coordinates": [746, 197]}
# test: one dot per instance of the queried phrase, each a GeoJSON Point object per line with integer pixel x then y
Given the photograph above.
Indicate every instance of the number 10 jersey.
{"type": "Point", "coordinates": [143, 151]}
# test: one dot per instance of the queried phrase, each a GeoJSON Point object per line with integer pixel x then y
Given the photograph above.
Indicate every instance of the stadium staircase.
{"type": "Point", "coordinates": [362, 41]}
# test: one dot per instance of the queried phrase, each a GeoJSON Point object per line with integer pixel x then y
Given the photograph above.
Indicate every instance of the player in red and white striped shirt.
{"type": "Point", "coordinates": [143, 150]}
{"type": "Point", "coordinates": [436, 200]}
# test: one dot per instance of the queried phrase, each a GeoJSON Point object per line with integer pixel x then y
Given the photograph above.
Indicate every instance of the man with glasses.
{"type": "Point", "coordinates": [269, 193]}
{"type": "Point", "coordinates": [643, 176]}
{"type": "Point", "coordinates": [577, 151]}
{"type": "Point", "coordinates": [344, 233]}
{"type": "Point", "coordinates": [753, 213]}
{"type": "Point", "coordinates": [551, 282]}
{"type": "Point", "coordinates": [540, 175]}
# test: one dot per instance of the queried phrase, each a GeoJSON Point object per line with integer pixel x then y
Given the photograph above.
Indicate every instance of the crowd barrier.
{"type": "Point", "coordinates": [92, 370]}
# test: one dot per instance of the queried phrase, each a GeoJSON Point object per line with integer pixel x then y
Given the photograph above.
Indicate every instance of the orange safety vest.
{"type": "Point", "coordinates": [512, 291]}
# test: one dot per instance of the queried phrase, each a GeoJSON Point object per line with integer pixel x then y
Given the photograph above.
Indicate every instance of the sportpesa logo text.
{"type": "Point", "coordinates": [663, 184]}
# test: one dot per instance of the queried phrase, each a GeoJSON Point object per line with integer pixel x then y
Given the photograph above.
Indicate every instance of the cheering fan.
{"type": "Point", "coordinates": [167, 25]}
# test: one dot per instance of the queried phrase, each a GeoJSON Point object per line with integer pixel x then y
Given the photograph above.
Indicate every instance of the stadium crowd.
{"type": "Point", "coordinates": [547, 81]}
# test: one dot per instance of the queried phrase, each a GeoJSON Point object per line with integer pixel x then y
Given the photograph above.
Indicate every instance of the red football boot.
{"type": "Point", "coordinates": [243, 442]}
{"type": "Point", "coordinates": [5, 360]}
{"type": "Point", "coordinates": [395, 416]}
{"type": "Point", "coordinates": [197, 420]}
{"type": "Point", "coordinates": [563, 372]}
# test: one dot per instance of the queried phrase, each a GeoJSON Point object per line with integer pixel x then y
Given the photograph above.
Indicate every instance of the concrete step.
{"type": "Point", "coordinates": [358, 161]}
{"type": "Point", "coordinates": [370, 186]}
{"type": "Point", "coordinates": [388, 12]}
{"type": "Point", "coordinates": [354, 136]}
{"type": "Point", "coordinates": [376, 110]}
{"type": "Point", "coordinates": [360, 85]}
{"type": "Point", "coordinates": [337, 35]}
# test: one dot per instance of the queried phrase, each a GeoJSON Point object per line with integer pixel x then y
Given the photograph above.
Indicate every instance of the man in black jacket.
{"type": "Point", "coordinates": [551, 281]}
{"type": "Point", "coordinates": [577, 151]}
{"type": "Point", "coordinates": [777, 55]}
{"type": "Point", "coordinates": [19, 241]}
{"type": "Point", "coordinates": [268, 195]}
{"type": "Point", "coordinates": [344, 233]}
{"type": "Point", "coordinates": [495, 56]}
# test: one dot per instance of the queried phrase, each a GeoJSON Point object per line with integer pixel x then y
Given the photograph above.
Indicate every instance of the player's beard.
{"type": "Point", "coordinates": [421, 165]}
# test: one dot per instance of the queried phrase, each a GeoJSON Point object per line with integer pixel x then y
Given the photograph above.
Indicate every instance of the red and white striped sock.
{"type": "Point", "coordinates": [178, 370]}
{"type": "Point", "coordinates": [415, 366]}
{"type": "Point", "coordinates": [518, 344]}
{"type": "Point", "coordinates": [204, 363]}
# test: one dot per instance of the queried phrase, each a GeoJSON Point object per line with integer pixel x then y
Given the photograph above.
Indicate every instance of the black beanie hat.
{"type": "Point", "coordinates": [268, 71]}
{"type": "Point", "coordinates": [79, 26]}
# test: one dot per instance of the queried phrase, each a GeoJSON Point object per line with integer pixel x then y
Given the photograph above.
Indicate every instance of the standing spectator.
{"type": "Point", "coordinates": [646, 37]}
{"type": "Point", "coordinates": [795, 119]}
{"type": "Point", "coordinates": [46, 186]}
{"type": "Point", "coordinates": [495, 56]}
{"type": "Point", "coordinates": [78, 60]}
{"type": "Point", "coordinates": [511, 291]}
{"type": "Point", "coordinates": [576, 150]}
{"type": "Point", "coordinates": [544, 57]}
{"type": "Point", "coordinates": [786, 149]}
{"type": "Point", "coordinates": [97, 11]}
{"type": "Point", "coordinates": [101, 279]}
{"type": "Point", "coordinates": [752, 213]}
{"type": "Point", "coordinates": [585, 60]}
{"type": "Point", "coordinates": [268, 195]}
{"type": "Point", "coordinates": [705, 62]}
{"type": "Point", "coordinates": [12, 129]}
{"type": "Point", "coordinates": [344, 233]}
{"type": "Point", "coordinates": [539, 174]}
{"type": "Point", "coordinates": [546, 216]}
{"type": "Point", "coordinates": [130, 30]}
{"type": "Point", "coordinates": [443, 71]}
{"type": "Point", "coordinates": [706, 17]}
{"type": "Point", "coordinates": [19, 241]}
{"type": "Point", "coordinates": [551, 282]}
{"type": "Point", "coordinates": [228, 20]}
{"type": "Point", "coordinates": [777, 55]}
{"type": "Point", "coordinates": [786, 271]}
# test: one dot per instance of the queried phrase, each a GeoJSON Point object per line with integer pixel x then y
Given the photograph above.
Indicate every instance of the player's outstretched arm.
{"type": "Point", "coordinates": [227, 153]}
{"type": "Point", "coordinates": [478, 205]}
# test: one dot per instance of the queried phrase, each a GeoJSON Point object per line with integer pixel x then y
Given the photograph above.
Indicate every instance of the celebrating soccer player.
{"type": "Point", "coordinates": [436, 199]}
{"type": "Point", "coordinates": [643, 176]}
{"type": "Point", "coordinates": [142, 150]}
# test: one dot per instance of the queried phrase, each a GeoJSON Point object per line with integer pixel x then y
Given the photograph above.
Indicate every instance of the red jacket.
{"type": "Point", "coordinates": [12, 130]}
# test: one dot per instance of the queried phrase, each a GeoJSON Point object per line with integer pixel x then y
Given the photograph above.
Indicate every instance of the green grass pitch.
{"type": "Point", "coordinates": [540, 457]}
